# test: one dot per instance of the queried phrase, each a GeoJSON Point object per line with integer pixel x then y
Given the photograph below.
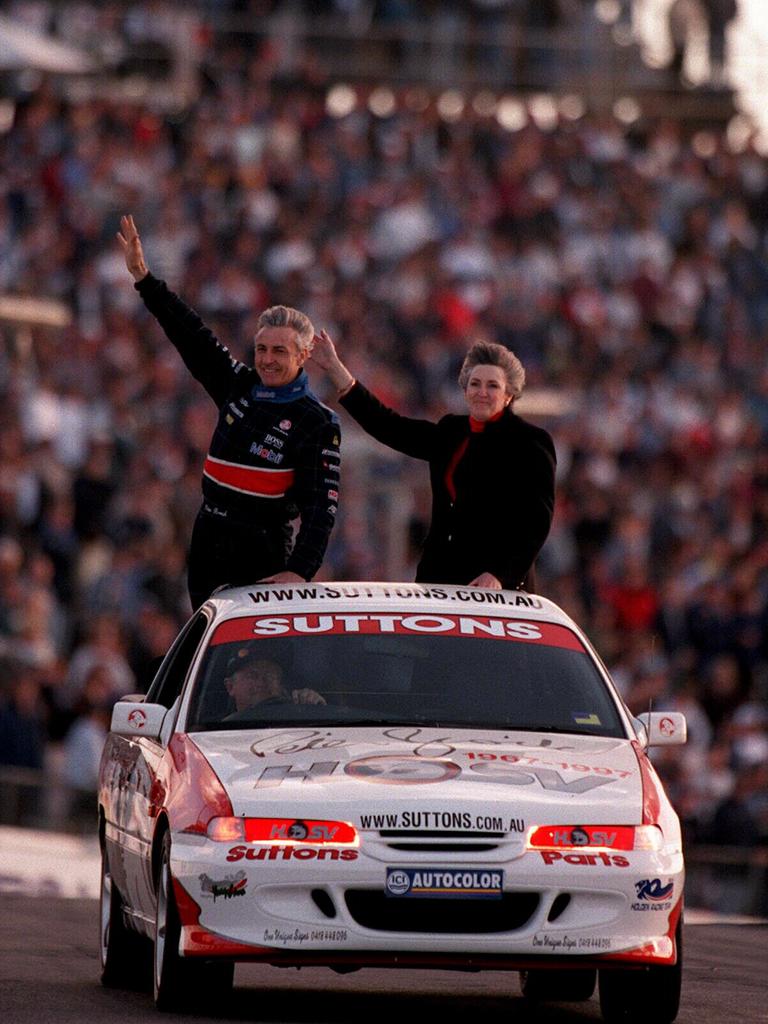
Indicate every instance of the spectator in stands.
{"type": "Point", "coordinates": [275, 451]}
{"type": "Point", "coordinates": [492, 473]}
{"type": "Point", "coordinates": [719, 15]}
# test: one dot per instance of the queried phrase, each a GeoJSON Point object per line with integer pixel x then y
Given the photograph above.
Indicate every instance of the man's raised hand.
{"type": "Point", "coordinates": [130, 243]}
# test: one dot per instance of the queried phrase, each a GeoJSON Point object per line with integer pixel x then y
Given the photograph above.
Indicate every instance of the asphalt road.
{"type": "Point", "coordinates": [49, 972]}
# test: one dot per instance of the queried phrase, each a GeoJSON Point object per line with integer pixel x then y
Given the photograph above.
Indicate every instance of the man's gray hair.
{"type": "Point", "coordinates": [287, 316]}
{"type": "Point", "coordinates": [487, 353]}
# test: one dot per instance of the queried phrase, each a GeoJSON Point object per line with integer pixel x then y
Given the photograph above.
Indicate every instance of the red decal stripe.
{"type": "Point", "coordinates": [397, 623]}
{"type": "Point", "coordinates": [650, 782]}
{"type": "Point", "coordinates": [267, 483]}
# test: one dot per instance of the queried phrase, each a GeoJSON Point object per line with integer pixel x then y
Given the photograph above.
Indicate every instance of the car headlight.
{"type": "Point", "coordinates": [283, 831]}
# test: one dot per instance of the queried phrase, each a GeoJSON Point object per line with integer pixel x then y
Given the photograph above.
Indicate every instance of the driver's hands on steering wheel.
{"type": "Point", "coordinates": [307, 696]}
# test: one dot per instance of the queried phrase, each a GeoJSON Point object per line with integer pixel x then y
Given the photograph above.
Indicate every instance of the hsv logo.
{"type": "Point", "coordinates": [402, 770]}
{"type": "Point", "coordinates": [653, 890]}
{"type": "Point", "coordinates": [299, 831]}
{"type": "Point", "coordinates": [138, 718]}
{"type": "Point", "coordinates": [667, 727]}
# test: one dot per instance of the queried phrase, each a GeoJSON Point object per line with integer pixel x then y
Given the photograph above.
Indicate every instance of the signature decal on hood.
{"type": "Point", "coordinates": [416, 741]}
{"type": "Point", "coordinates": [393, 769]}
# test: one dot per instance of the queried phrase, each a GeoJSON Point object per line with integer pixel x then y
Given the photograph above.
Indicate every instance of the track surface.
{"type": "Point", "coordinates": [49, 972]}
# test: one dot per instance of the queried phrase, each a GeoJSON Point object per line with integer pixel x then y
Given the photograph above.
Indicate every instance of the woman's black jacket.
{"type": "Point", "coordinates": [504, 489]}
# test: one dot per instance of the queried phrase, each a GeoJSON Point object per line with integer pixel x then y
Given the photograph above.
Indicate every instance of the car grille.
{"type": "Point", "coordinates": [371, 908]}
{"type": "Point", "coordinates": [442, 842]}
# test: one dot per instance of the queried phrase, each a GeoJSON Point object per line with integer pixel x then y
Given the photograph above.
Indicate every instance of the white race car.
{"type": "Point", "coordinates": [371, 774]}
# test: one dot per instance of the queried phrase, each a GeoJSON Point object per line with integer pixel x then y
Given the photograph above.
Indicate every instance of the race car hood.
{"type": "Point", "coordinates": [352, 773]}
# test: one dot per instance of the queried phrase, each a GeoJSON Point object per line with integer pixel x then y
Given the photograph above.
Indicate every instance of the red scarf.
{"type": "Point", "coordinates": [475, 427]}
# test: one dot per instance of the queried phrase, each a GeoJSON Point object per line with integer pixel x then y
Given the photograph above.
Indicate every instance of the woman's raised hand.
{"type": "Point", "coordinates": [130, 243]}
{"type": "Point", "coordinates": [325, 356]}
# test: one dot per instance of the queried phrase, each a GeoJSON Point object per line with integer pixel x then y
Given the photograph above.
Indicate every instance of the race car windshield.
{"type": "Point", "coordinates": [439, 670]}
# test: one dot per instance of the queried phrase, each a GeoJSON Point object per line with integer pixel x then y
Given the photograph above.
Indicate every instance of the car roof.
{"type": "Point", "coordinates": [360, 595]}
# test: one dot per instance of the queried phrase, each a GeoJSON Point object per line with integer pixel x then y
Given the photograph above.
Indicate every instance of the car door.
{"type": "Point", "coordinates": [139, 760]}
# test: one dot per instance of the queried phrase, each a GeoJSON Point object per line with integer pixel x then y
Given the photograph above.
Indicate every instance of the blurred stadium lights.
{"type": "Point", "coordinates": [450, 105]}
{"type": "Point", "coordinates": [340, 100]}
{"type": "Point", "coordinates": [544, 112]}
{"type": "Point", "coordinates": [739, 132]}
{"type": "Point", "coordinates": [607, 11]}
{"type": "Point", "coordinates": [511, 114]}
{"type": "Point", "coordinates": [382, 102]}
{"type": "Point", "coordinates": [627, 110]}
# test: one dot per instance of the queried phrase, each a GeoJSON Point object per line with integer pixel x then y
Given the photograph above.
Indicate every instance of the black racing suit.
{"type": "Point", "coordinates": [274, 455]}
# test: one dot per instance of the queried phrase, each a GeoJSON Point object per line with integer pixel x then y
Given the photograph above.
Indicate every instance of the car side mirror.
{"type": "Point", "coordinates": [135, 719]}
{"type": "Point", "coordinates": [664, 728]}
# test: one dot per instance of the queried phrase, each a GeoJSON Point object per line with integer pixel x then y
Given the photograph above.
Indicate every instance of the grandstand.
{"type": "Point", "coordinates": [417, 176]}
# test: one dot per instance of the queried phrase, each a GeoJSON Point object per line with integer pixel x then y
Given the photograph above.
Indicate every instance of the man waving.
{"type": "Point", "coordinates": [274, 454]}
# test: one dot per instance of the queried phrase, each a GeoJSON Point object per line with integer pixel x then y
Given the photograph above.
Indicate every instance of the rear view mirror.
{"type": "Point", "coordinates": [664, 728]}
{"type": "Point", "coordinates": [135, 719]}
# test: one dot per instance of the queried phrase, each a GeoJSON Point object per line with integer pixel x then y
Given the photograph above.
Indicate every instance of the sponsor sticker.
{"type": "Point", "coordinates": [227, 888]}
{"type": "Point", "coordinates": [653, 894]}
{"type": "Point", "coordinates": [457, 883]}
{"type": "Point", "coordinates": [137, 718]}
{"type": "Point", "coordinates": [570, 944]}
{"type": "Point", "coordinates": [279, 853]}
{"type": "Point", "coordinates": [445, 821]}
{"type": "Point", "coordinates": [282, 937]}
{"type": "Point", "coordinates": [598, 859]}
{"type": "Point", "coordinates": [397, 623]}
{"type": "Point", "coordinates": [585, 718]}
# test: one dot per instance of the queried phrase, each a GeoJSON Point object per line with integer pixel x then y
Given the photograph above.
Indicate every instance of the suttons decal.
{"type": "Point", "coordinates": [450, 821]}
{"type": "Point", "coordinates": [397, 623]}
{"type": "Point", "coordinates": [473, 595]}
{"type": "Point", "coordinates": [591, 859]}
{"type": "Point", "coordinates": [272, 853]}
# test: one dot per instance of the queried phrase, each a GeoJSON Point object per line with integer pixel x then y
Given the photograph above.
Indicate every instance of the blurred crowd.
{"type": "Point", "coordinates": [626, 267]}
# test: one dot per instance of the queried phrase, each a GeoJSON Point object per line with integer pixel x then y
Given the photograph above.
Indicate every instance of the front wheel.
{"type": "Point", "coordinates": [178, 982]}
{"type": "Point", "coordinates": [652, 994]}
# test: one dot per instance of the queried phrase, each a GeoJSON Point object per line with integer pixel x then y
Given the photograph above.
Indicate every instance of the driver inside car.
{"type": "Point", "coordinates": [260, 682]}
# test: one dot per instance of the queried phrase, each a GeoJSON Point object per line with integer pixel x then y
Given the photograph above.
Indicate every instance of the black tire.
{"type": "Point", "coordinates": [122, 952]}
{"type": "Point", "coordinates": [652, 994]}
{"type": "Point", "coordinates": [573, 986]}
{"type": "Point", "coordinates": [180, 983]}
